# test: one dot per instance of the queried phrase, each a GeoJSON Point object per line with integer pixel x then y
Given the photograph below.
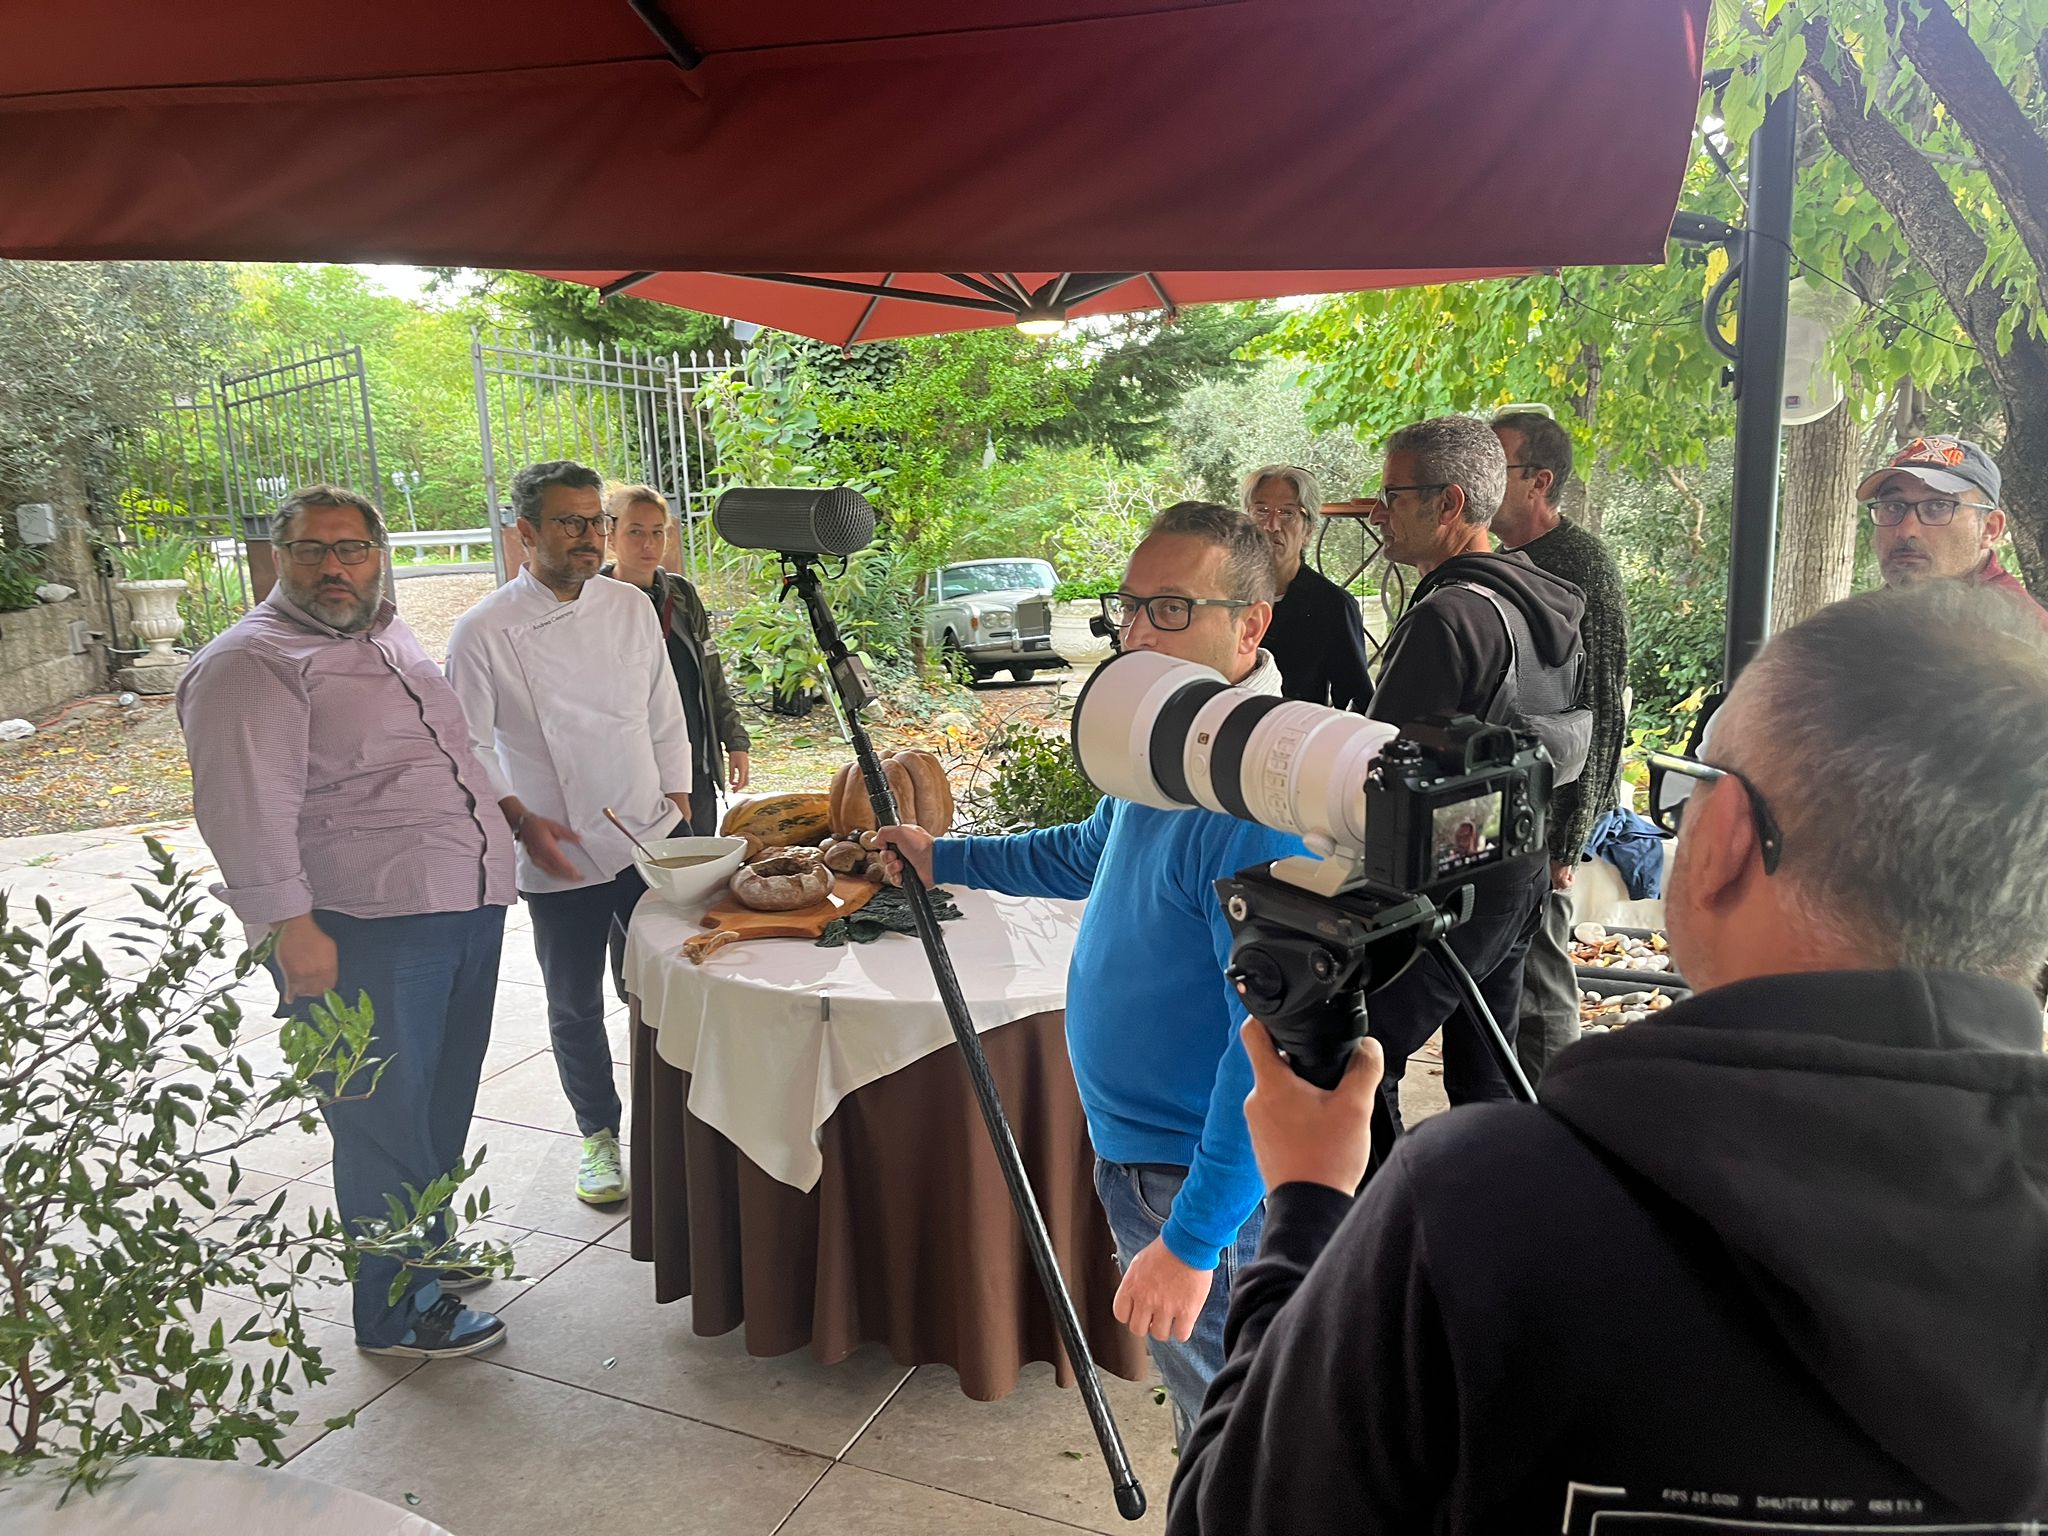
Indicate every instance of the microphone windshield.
{"type": "Point", "coordinates": [794, 520]}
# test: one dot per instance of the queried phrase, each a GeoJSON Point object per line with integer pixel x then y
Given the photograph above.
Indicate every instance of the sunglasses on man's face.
{"type": "Point", "coordinates": [1672, 782]}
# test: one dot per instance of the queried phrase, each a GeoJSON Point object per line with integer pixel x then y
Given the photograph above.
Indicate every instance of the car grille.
{"type": "Point", "coordinates": [1034, 618]}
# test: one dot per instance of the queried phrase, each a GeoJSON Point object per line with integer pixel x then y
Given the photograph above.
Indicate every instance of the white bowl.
{"type": "Point", "coordinates": [698, 882]}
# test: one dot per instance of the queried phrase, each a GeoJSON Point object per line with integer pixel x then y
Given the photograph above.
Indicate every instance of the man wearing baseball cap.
{"type": "Point", "coordinates": [1937, 515]}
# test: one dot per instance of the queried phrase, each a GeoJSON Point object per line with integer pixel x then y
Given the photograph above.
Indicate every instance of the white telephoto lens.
{"type": "Point", "coordinates": [1172, 734]}
{"type": "Point", "coordinates": [1295, 767]}
{"type": "Point", "coordinates": [1114, 717]}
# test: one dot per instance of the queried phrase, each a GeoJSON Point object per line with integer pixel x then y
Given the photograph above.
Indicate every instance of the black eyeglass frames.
{"type": "Point", "coordinates": [1672, 781]}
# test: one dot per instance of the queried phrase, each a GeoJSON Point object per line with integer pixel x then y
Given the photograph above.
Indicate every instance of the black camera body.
{"type": "Point", "coordinates": [1448, 801]}
{"type": "Point", "coordinates": [1450, 797]}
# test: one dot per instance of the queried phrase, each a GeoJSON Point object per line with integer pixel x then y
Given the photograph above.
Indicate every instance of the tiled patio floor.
{"type": "Point", "coordinates": [603, 1412]}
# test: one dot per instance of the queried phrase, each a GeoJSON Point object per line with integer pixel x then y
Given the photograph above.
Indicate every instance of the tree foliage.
{"type": "Point", "coordinates": [562, 311]}
{"type": "Point", "coordinates": [125, 1223]}
{"type": "Point", "coordinates": [89, 350]}
{"type": "Point", "coordinates": [1140, 366]}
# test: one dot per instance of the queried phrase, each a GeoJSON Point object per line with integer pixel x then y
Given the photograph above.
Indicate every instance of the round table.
{"type": "Point", "coordinates": [808, 1160]}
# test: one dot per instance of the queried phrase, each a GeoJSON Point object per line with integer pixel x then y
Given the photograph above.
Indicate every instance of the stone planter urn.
{"type": "Point", "coordinates": [153, 615]}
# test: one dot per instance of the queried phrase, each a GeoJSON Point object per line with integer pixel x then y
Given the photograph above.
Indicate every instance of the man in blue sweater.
{"type": "Point", "coordinates": [1151, 1021]}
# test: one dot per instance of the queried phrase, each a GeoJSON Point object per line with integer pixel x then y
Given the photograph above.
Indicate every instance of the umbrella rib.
{"type": "Point", "coordinates": [974, 284]}
{"type": "Point", "coordinates": [840, 285]}
{"type": "Point", "coordinates": [867, 314]}
{"type": "Point", "coordinates": [1093, 285]}
{"type": "Point", "coordinates": [617, 286]}
{"type": "Point", "coordinates": [1172, 309]}
{"type": "Point", "coordinates": [668, 34]}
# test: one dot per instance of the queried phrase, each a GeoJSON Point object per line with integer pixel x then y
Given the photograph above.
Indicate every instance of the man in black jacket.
{"type": "Point", "coordinates": [1771, 1262]}
{"type": "Point", "coordinates": [641, 529]}
{"type": "Point", "coordinates": [1452, 653]}
{"type": "Point", "coordinates": [1317, 638]}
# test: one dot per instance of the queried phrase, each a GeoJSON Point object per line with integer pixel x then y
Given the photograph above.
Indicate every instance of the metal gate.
{"type": "Point", "coordinates": [302, 419]}
{"type": "Point", "coordinates": [1350, 552]}
{"type": "Point", "coordinates": [211, 466]}
{"type": "Point", "coordinates": [630, 415]}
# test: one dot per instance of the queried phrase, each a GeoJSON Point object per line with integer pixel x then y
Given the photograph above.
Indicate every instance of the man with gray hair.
{"type": "Point", "coordinates": [1771, 1261]}
{"type": "Point", "coordinates": [1486, 634]}
{"type": "Point", "coordinates": [1316, 638]}
{"type": "Point", "coordinates": [1151, 1021]}
{"type": "Point", "coordinates": [333, 781]}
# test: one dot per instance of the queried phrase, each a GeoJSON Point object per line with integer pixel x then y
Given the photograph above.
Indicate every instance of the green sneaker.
{"type": "Point", "coordinates": [601, 1180]}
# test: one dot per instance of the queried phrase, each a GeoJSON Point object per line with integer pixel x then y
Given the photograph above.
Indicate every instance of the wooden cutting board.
{"type": "Point", "coordinates": [848, 895]}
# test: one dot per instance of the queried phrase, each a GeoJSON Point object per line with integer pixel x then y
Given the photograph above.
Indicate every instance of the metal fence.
{"type": "Point", "coordinates": [210, 466]}
{"type": "Point", "coordinates": [629, 414]}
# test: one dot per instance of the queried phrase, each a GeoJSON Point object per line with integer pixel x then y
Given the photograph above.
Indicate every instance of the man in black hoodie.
{"type": "Point", "coordinates": [1452, 654]}
{"type": "Point", "coordinates": [1774, 1261]}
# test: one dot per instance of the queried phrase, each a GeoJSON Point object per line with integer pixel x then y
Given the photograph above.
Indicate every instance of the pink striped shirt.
{"type": "Point", "coordinates": [334, 771]}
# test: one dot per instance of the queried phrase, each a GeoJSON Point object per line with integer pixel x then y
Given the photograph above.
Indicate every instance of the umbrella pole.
{"type": "Point", "coordinates": [850, 683]}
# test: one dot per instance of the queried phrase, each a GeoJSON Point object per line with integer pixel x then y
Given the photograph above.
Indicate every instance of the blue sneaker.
{"type": "Point", "coordinates": [446, 1330]}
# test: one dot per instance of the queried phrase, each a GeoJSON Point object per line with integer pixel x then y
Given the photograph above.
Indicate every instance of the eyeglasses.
{"type": "Point", "coordinates": [1530, 469]}
{"type": "Point", "coordinates": [1672, 780]}
{"type": "Point", "coordinates": [576, 527]}
{"type": "Point", "coordinates": [1164, 613]}
{"type": "Point", "coordinates": [1273, 517]}
{"type": "Point", "coordinates": [1385, 494]}
{"type": "Point", "coordinates": [314, 551]}
{"type": "Point", "coordinates": [1935, 512]}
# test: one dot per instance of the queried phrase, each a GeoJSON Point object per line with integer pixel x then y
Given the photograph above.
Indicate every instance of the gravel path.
{"type": "Point", "coordinates": [432, 604]}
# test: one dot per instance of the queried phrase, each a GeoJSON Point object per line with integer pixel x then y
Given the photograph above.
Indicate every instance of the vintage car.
{"type": "Point", "coordinates": [988, 615]}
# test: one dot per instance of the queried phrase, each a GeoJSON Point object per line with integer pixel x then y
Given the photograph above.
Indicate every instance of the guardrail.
{"type": "Point", "coordinates": [461, 539]}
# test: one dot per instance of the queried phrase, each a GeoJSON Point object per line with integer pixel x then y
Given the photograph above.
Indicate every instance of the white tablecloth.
{"type": "Point", "coordinates": [775, 1032]}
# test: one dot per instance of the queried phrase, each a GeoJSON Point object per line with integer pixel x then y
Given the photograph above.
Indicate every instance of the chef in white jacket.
{"type": "Point", "coordinates": [572, 707]}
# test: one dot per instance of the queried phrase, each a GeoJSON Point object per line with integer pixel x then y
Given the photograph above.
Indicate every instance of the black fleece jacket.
{"type": "Point", "coordinates": [1777, 1260]}
{"type": "Point", "coordinates": [1317, 640]}
{"type": "Point", "coordinates": [1450, 651]}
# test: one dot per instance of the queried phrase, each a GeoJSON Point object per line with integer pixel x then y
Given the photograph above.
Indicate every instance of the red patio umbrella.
{"type": "Point", "coordinates": [1316, 143]}
{"type": "Point", "coordinates": [850, 307]}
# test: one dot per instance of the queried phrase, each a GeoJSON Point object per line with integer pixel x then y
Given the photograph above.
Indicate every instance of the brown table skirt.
{"type": "Point", "coordinates": [907, 1240]}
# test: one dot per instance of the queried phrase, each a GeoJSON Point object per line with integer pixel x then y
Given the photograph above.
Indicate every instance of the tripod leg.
{"type": "Point", "coordinates": [1130, 1495]}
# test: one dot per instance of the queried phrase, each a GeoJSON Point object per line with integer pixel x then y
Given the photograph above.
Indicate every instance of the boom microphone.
{"type": "Point", "coordinates": [795, 520]}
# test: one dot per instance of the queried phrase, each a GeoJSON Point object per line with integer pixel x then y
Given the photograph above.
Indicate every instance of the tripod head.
{"type": "Point", "coordinates": [1303, 963]}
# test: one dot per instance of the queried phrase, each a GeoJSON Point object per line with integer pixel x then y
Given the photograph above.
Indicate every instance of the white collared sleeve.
{"type": "Point", "coordinates": [471, 676]}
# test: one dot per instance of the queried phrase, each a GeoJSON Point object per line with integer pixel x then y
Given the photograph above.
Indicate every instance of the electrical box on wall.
{"type": "Point", "coordinates": [36, 522]}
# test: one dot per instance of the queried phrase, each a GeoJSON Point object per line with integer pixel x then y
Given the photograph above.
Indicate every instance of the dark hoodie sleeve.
{"type": "Point", "coordinates": [1333, 1412]}
{"type": "Point", "coordinates": [1426, 670]}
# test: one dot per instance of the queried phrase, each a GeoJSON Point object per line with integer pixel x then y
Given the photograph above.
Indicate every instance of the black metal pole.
{"type": "Point", "coordinates": [1760, 381]}
{"type": "Point", "coordinates": [1130, 1495]}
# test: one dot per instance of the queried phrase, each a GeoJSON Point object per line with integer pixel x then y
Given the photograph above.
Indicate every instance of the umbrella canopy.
{"type": "Point", "coordinates": [850, 307]}
{"type": "Point", "coordinates": [1322, 143]}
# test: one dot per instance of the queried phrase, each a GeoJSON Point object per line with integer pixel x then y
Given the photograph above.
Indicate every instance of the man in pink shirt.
{"type": "Point", "coordinates": [334, 783]}
{"type": "Point", "coordinates": [1938, 518]}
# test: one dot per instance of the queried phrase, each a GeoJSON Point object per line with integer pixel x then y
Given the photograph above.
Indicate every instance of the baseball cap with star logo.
{"type": "Point", "coordinates": [1945, 464]}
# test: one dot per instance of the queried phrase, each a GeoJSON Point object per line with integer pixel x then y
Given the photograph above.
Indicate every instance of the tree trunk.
{"type": "Point", "coordinates": [1817, 534]}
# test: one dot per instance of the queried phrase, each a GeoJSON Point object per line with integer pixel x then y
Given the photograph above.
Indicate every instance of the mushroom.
{"type": "Point", "coordinates": [845, 858]}
{"type": "Point", "coordinates": [794, 879]}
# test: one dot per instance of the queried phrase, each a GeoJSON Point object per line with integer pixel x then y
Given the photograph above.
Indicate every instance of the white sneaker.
{"type": "Point", "coordinates": [601, 1180]}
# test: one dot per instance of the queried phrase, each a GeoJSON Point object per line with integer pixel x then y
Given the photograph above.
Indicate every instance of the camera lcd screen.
{"type": "Point", "coordinates": [1465, 833]}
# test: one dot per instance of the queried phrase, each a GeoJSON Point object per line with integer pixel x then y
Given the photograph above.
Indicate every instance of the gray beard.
{"type": "Point", "coordinates": [358, 617]}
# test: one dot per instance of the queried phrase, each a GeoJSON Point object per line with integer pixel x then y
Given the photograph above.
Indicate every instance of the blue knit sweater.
{"type": "Point", "coordinates": [1151, 1022]}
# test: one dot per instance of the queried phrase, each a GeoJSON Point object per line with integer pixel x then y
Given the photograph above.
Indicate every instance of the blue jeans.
{"type": "Point", "coordinates": [431, 981]}
{"type": "Point", "coordinates": [1138, 1197]}
{"type": "Point", "coordinates": [573, 933]}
